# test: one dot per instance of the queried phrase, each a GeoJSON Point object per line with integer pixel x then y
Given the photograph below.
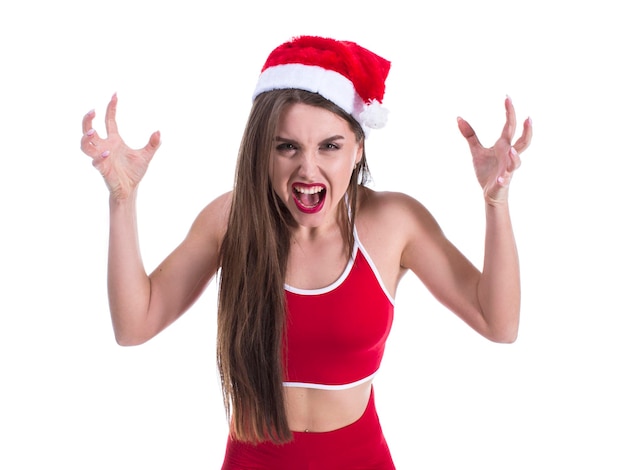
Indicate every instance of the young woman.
{"type": "Point", "coordinates": [308, 266]}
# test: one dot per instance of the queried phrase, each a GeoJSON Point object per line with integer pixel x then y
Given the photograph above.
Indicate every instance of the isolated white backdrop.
{"type": "Point", "coordinates": [71, 398]}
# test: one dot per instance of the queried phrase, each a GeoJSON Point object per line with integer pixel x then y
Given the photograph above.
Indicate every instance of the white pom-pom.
{"type": "Point", "coordinates": [374, 115]}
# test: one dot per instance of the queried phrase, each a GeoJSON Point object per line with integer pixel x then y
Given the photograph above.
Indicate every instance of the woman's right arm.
{"type": "Point", "coordinates": [142, 305]}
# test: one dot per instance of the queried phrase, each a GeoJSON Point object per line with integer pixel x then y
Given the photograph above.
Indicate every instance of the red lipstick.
{"type": "Point", "coordinates": [309, 197]}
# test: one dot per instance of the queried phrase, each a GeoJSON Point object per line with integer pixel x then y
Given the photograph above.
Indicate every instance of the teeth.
{"type": "Point", "coordinates": [310, 190]}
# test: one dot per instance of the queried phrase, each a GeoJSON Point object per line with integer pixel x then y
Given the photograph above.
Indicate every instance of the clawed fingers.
{"type": "Point", "coordinates": [90, 141]}
{"type": "Point", "coordinates": [511, 120]}
{"type": "Point", "coordinates": [509, 128]}
{"type": "Point", "coordinates": [109, 118]}
{"type": "Point", "coordinates": [153, 143]}
{"type": "Point", "coordinates": [513, 163]}
{"type": "Point", "coordinates": [524, 141]}
{"type": "Point", "coordinates": [89, 144]}
{"type": "Point", "coordinates": [496, 165]}
{"type": "Point", "coordinates": [514, 160]}
{"type": "Point", "coordinates": [468, 132]}
{"type": "Point", "coordinates": [88, 121]}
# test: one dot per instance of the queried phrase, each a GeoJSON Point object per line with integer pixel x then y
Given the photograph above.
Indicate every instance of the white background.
{"type": "Point", "coordinates": [71, 398]}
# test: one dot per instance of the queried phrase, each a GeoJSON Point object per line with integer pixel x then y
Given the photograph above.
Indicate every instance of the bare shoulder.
{"type": "Point", "coordinates": [380, 210]}
{"type": "Point", "coordinates": [389, 225]}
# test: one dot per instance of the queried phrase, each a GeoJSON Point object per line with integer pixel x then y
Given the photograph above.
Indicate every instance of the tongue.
{"type": "Point", "coordinates": [309, 200]}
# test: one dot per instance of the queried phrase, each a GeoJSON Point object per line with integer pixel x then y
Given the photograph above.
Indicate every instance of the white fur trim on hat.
{"type": "Point", "coordinates": [331, 85]}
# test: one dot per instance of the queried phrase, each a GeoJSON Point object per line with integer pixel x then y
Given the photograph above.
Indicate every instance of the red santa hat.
{"type": "Point", "coordinates": [343, 72]}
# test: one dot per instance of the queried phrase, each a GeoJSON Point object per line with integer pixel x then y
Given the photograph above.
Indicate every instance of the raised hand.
{"type": "Point", "coordinates": [494, 166]}
{"type": "Point", "coordinates": [122, 167]}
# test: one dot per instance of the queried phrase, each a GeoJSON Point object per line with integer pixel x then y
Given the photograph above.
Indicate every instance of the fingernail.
{"type": "Point", "coordinates": [501, 179]}
{"type": "Point", "coordinates": [91, 112]}
{"type": "Point", "coordinates": [91, 132]}
{"type": "Point", "coordinates": [105, 154]}
{"type": "Point", "coordinates": [530, 121]}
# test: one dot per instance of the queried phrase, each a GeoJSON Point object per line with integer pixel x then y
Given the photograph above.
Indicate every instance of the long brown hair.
{"type": "Point", "coordinates": [253, 260]}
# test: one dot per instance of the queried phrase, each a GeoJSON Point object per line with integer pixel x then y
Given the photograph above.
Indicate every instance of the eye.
{"type": "Point", "coordinates": [330, 146]}
{"type": "Point", "coordinates": [285, 147]}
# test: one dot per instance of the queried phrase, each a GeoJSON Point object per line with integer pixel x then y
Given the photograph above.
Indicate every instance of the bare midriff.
{"type": "Point", "coordinates": [320, 410]}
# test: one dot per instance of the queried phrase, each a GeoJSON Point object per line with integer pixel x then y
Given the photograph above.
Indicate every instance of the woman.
{"type": "Point", "coordinates": [308, 265]}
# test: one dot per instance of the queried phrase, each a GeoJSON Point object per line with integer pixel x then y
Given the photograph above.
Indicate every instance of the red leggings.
{"type": "Point", "coordinates": [358, 446]}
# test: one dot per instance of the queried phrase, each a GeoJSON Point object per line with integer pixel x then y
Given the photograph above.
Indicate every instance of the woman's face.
{"type": "Point", "coordinates": [314, 154]}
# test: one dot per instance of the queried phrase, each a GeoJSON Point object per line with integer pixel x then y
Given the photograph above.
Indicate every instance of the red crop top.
{"type": "Point", "coordinates": [336, 335]}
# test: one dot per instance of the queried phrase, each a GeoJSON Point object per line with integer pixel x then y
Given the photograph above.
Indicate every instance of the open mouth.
{"type": "Point", "coordinates": [309, 198]}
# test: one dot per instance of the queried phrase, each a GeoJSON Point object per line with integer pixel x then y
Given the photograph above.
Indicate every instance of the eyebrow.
{"type": "Point", "coordinates": [328, 139]}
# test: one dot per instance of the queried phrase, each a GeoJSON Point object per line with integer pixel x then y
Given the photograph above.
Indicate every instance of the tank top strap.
{"type": "Point", "coordinates": [359, 247]}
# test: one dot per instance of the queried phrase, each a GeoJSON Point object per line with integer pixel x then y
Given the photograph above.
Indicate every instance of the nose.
{"type": "Point", "coordinates": [308, 165]}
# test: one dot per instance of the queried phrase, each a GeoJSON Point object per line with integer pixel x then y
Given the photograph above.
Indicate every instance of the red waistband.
{"type": "Point", "coordinates": [357, 445]}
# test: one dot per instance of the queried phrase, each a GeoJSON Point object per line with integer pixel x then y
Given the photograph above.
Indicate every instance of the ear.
{"type": "Point", "coordinates": [359, 152]}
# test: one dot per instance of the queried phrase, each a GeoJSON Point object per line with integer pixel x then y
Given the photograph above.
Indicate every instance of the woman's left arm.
{"type": "Point", "coordinates": [498, 288]}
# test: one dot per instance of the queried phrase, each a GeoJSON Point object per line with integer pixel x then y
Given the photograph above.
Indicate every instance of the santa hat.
{"type": "Point", "coordinates": [343, 72]}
